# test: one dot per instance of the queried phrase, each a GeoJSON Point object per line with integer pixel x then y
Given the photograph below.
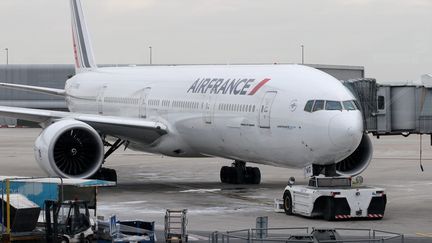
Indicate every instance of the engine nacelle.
{"type": "Point", "coordinates": [358, 161]}
{"type": "Point", "coordinates": [70, 149]}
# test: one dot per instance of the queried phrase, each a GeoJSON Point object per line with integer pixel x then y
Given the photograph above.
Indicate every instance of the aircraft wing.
{"type": "Point", "coordinates": [132, 129]}
{"type": "Point", "coordinates": [51, 91]}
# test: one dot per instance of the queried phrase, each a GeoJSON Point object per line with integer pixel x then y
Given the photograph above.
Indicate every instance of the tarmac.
{"type": "Point", "coordinates": [150, 184]}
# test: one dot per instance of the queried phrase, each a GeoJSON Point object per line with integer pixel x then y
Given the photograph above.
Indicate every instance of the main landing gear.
{"type": "Point", "coordinates": [239, 173]}
{"type": "Point", "coordinates": [104, 173]}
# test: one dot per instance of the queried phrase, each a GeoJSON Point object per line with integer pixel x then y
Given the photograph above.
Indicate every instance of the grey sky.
{"type": "Point", "coordinates": [391, 38]}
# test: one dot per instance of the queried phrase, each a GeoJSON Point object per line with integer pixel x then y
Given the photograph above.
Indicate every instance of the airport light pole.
{"type": "Point", "coordinates": [7, 55]}
{"type": "Point", "coordinates": [302, 54]}
{"type": "Point", "coordinates": [150, 49]}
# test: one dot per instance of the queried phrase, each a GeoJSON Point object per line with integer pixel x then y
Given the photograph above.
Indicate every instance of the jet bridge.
{"type": "Point", "coordinates": [394, 109]}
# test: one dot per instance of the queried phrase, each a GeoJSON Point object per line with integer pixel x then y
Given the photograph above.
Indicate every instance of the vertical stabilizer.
{"type": "Point", "coordinates": [83, 52]}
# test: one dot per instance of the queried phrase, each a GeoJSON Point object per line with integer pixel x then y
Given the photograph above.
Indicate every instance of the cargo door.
{"type": "Point", "coordinates": [142, 105]}
{"type": "Point", "coordinates": [265, 109]}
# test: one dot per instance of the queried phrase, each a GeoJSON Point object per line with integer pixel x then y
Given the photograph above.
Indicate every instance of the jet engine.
{"type": "Point", "coordinates": [358, 161]}
{"type": "Point", "coordinates": [70, 149]}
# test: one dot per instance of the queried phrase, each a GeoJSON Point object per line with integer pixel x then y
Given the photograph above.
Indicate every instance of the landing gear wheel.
{"type": "Point", "coordinates": [256, 175]}
{"type": "Point", "coordinates": [224, 174]}
{"type": "Point", "coordinates": [287, 203]}
{"type": "Point", "coordinates": [88, 239]}
{"type": "Point", "coordinates": [238, 173]}
{"type": "Point", "coordinates": [253, 175]}
{"type": "Point", "coordinates": [63, 240]}
{"type": "Point", "coordinates": [105, 174]}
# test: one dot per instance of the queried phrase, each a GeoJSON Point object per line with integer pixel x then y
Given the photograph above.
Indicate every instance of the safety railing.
{"type": "Point", "coordinates": [291, 234]}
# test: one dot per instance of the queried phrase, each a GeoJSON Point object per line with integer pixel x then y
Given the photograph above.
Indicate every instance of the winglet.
{"type": "Point", "coordinates": [83, 52]}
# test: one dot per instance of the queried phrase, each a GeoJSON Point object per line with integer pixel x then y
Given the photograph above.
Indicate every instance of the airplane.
{"type": "Point", "coordinates": [281, 115]}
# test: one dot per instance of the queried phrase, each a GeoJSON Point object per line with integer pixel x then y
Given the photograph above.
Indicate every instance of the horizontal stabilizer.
{"type": "Point", "coordinates": [50, 91]}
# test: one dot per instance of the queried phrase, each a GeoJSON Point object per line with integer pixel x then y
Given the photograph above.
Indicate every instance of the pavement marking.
{"type": "Point", "coordinates": [425, 234]}
{"type": "Point", "coordinates": [227, 192]}
{"type": "Point", "coordinates": [194, 237]}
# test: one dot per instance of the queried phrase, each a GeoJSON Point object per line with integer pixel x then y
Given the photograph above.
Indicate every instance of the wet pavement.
{"type": "Point", "coordinates": [149, 184]}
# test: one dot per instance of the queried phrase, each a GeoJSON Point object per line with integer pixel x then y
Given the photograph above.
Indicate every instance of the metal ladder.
{"type": "Point", "coordinates": [175, 225]}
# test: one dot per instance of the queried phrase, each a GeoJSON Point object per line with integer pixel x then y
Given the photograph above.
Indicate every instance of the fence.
{"type": "Point", "coordinates": [304, 234]}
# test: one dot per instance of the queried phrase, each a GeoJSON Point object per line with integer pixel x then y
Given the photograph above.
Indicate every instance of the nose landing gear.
{"type": "Point", "coordinates": [239, 173]}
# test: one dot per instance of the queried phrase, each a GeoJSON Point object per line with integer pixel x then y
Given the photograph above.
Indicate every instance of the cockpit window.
{"type": "Point", "coordinates": [349, 105]}
{"type": "Point", "coordinates": [319, 105]}
{"type": "Point", "coordinates": [333, 105]}
{"type": "Point", "coordinates": [357, 105]}
{"type": "Point", "coordinates": [309, 105]}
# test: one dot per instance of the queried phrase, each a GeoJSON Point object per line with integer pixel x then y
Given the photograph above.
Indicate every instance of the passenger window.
{"type": "Point", "coordinates": [308, 106]}
{"type": "Point", "coordinates": [349, 105]}
{"type": "Point", "coordinates": [333, 105]}
{"type": "Point", "coordinates": [319, 105]}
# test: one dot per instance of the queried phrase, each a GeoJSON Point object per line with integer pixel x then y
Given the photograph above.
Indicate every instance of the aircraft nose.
{"type": "Point", "coordinates": [346, 130]}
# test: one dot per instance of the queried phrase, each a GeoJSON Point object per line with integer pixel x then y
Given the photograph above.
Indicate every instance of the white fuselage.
{"type": "Point", "coordinates": [252, 113]}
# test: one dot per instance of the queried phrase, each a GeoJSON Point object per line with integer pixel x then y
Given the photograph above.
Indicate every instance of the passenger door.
{"type": "Point", "coordinates": [208, 109]}
{"type": "Point", "coordinates": [265, 109]}
{"type": "Point", "coordinates": [142, 106]}
{"type": "Point", "coordinates": [100, 99]}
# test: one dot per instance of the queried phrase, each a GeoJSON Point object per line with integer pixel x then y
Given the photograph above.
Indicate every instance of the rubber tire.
{"type": "Point", "coordinates": [230, 173]}
{"type": "Point", "coordinates": [237, 175]}
{"type": "Point", "coordinates": [329, 212]}
{"type": "Point", "coordinates": [88, 239]}
{"type": "Point", "coordinates": [110, 174]}
{"type": "Point", "coordinates": [287, 203]}
{"type": "Point", "coordinates": [249, 175]}
{"type": "Point", "coordinates": [63, 240]}
{"type": "Point", "coordinates": [256, 175]}
{"type": "Point", "coordinates": [224, 174]}
{"type": "Point", "coordinates": [105, 174]}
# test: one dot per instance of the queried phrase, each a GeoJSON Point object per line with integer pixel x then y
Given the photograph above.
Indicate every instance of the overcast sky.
{"type": "Point", "coordinates": [391, 38]}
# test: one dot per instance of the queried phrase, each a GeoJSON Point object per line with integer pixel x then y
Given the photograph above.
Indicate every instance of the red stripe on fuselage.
{"type": "Point", "coordinates": [259, 85]}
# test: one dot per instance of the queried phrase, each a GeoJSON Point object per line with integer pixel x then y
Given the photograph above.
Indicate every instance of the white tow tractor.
{"type": "Point", "coordinates": [334, 198]}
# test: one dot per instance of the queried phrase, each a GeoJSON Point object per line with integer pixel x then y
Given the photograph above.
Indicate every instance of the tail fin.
{"type": "Point", "coordinates": [83, 52]}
